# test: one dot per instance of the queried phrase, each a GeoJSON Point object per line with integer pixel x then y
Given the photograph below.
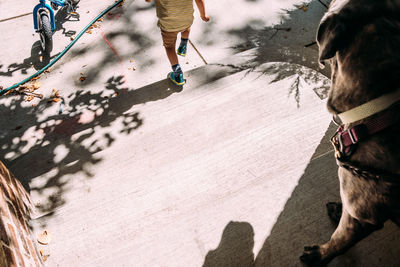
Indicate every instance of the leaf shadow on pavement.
{"type": "Point", "coordinates": [291, 42]}
{"type": "Point", "coordinates": [57, 147]}
{"type": "Point", "coordinates": [122, 41]}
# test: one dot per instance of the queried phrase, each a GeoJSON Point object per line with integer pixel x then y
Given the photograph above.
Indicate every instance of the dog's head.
{"type": "Point", "coordinates": [361, 39]}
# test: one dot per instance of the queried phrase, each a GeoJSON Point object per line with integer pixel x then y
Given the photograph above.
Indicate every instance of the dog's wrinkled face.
{"type": "Point", "coordinates": [361, 39]}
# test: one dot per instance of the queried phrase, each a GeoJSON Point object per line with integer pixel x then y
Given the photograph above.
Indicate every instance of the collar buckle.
{"type": "Point", "coordinates": [343, 150]}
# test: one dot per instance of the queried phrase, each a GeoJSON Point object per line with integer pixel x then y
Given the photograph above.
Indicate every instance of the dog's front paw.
{"type": "Point", "coordinates": [334, 211]}
{"type": "Point", "coordinates": [312, 256]}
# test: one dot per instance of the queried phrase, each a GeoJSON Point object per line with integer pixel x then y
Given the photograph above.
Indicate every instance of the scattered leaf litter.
{"type": "Point", "coordinates": [44, 237]}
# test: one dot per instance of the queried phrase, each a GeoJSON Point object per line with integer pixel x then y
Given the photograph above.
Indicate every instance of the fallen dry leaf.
{"type": "Point", "coordinates": [55, 92]}
{"type": "Point", "coordinates": [29, 98]}
{"type": "Point", "coordinates": [131, 61]}
{"type": "Point", "coordinates": [44, 237]}
{"type": "Point", "coordinates": [55, 96]}
{"type": "Point", "coordinates": [82, 78]}
{"type": "Point", "coordinates": [37, 85]}
{"type": "Point", "coordinates": [44, 251]}
{"type": "Point", "coordinates": [89, 31]}
{"type": "Point", "coordinates": [304, 8]}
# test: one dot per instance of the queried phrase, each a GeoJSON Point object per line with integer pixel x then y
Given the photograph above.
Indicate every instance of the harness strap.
{"type": "Point", "coordinates": [361, 131]}
{"type": "Point", "coordinates": [369, 173]}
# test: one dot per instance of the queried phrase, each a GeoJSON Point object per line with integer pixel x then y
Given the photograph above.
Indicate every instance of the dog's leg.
{"type": "Point", "coordinates": [348, 233]}
{"type": "Point", "coordinates": [334, 211]}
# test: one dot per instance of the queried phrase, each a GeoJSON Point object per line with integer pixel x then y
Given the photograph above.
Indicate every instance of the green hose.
{"type": "Point", "coordinates": [2, 92]}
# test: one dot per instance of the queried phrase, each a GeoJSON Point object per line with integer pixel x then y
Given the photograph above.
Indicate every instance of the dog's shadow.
{"type": "Point", "coordinates": [237, 237]}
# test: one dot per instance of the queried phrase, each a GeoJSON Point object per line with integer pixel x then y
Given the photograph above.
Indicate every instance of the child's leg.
{"type": "Point", "coordinates": [185, 33]}
{"type": "Point", "coordinates": [171, 54]}
{"type": "Point", "coordinates": [184, 40]}
{"type": "Point", "coordinates": [169, 42]}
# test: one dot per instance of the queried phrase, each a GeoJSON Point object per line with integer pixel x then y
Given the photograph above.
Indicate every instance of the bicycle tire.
{"type": "Point", "coordinates": [45, 32]}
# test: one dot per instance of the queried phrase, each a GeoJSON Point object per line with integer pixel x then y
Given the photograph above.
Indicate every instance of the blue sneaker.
{"type": "Point", "coordinates": [181, 50]}
{"type": "Point", "coordinates": [176, 80]}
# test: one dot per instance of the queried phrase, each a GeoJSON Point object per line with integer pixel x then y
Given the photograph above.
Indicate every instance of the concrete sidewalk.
{"type": "Point", "coordinates": [233, 169]}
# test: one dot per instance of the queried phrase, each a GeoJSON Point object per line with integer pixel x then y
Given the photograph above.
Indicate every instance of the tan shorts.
{"type": "Point", "coordinates": [169, 38]}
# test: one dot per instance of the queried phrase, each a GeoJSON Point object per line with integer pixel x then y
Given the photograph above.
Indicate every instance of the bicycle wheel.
{"type": "Point", "coordinates": [46, 39]}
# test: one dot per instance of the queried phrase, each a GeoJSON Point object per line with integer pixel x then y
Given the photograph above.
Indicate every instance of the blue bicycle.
{"type": "Point", "coordinates": [44, 20]}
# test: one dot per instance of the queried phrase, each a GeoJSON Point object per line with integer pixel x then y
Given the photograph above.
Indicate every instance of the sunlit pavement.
{"type": "Point", "coordinates": [233, 169]}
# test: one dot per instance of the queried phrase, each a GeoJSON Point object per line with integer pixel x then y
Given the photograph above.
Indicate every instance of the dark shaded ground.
{"type": "Point", "coordinates": [304, 221]}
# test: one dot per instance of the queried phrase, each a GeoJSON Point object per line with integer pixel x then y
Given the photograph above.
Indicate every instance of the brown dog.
{"type": "Point", "coordinates": [361, 39]}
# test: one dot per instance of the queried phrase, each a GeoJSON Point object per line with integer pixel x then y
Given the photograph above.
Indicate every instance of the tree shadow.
{"type": "Point", "coordinates": [286, 43]}
{"type": "Point", "coordinates": [299, 75]}
{"type": "Point", "coordinates": [54, 147]}
{"type": "Point", "coordinates": [129, 30]}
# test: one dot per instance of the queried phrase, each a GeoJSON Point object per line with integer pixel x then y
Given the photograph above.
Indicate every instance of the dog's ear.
{"type": "Point", "coordinates": [330, 33]}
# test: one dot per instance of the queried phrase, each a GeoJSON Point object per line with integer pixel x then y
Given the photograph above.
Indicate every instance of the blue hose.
{"type": "Point", "coordinates": [2, 92]}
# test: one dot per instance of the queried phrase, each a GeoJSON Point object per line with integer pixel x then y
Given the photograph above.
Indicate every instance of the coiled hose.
{"type": "Point", "coordinates": [2, 92]}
